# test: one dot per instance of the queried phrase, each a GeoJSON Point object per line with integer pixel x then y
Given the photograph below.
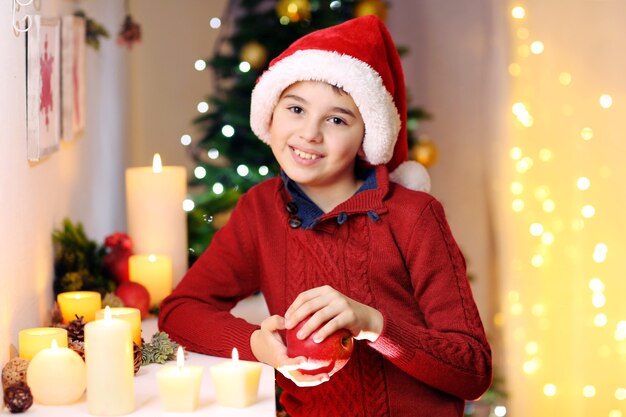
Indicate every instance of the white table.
{"type": "Point", "coordinates": [148, 403]}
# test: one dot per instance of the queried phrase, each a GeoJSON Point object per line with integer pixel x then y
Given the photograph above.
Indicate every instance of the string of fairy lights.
{"type": "Point", "coordinates": [536, 205]}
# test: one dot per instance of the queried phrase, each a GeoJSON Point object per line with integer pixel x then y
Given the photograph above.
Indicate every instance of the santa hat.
{"type": "Point", "coordinates": [360, 57]}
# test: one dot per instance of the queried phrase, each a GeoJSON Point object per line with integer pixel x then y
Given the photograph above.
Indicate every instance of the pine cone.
{"type": "Point", "coordinates": [76, 329]}
{"type": "Point", "coordinates": [14, 371]}
{"type": "Point", "coordinates": [18, 397]}
{"type": "Point", "coordinates": [78, 346]}
{"type": "Point", "coordinates": [138, 357]}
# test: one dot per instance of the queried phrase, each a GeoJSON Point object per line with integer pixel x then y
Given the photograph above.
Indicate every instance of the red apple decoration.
{"type": "Point", "coordinates": [118, 247]}
{"type": "Point", "coordinates": [133, 294]}
{"type": "Point", "coordinates": [328, 356]}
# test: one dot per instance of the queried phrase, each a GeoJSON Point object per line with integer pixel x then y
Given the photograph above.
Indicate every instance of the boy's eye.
{"type": "Point", "coordinates": [296, 109]}
{"type": "Point", "coordinates": [337, 121]}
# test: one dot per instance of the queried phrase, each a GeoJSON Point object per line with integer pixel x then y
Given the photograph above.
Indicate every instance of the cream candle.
{"type": "Point", "coordinates": [153, 272]}
{"type": "Point", "coordinates": [157, 222]}
{"type": "Point", "coordinates": [236, 382]}
{"type": "Point", "coordinates": [130, 315]}
{"type": "Point", "coordinates": [33, 340]}
{"type": "Point", "coordinates": [110, 369]}
{"type": "Point", "coordinates": [79, 303]}
{"type": "Point", "coordinates": [56, 376]}
{"type": "Point", "coordinates": [179, 385]}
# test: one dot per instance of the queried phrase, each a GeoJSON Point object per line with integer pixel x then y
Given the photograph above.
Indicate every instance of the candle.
{"type": "Point", "coordinates": [153, 272]}
{"type": "Point", "coordinates": [56, 376]}
{"type": "Point", "coordinates": [157, 222]}
{"type": "Point", "coordinates": [79, 303]}
{"type": "Point", "coordinates": [236, 382]}
{"type": "Point", "coordinates": [130, 315]}
{"type": "Point", "coordinates": [33, 340]}
{"type": "Point", "coordinates": [179, 385]}
{"type": "Point", "coordinates": [110, 366]}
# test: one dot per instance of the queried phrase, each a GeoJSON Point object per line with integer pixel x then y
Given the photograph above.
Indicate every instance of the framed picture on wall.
{"type": "Point", "coordinates": [43, 85]}
{"type": "Point", "coordinates": [72, 77]}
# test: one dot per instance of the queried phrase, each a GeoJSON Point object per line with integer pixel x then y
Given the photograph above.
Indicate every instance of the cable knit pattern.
{"type": "Point", "coordinates": [402, 260]}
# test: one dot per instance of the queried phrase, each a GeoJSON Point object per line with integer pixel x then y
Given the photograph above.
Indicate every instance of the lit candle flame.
{"type": "Point", "coordinates": [180, 358]}
{"type": "Point", "coordinates": [152, 258]}
{"type": "Point", "coordinates": [54, 345]}
{"type": "Point", "coordinates": [107, 313]}
{"type": "Point", "coordinates": [235, 355]}
{"type": "Point", "coordinates": [157, 167]}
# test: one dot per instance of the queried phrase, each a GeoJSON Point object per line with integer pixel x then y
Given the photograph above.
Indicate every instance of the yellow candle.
{"type": "Point", "coordinates": [56, 376]}
{"type": "Point", "coordinates": [179, 385]}
{"type": "Point", "coordinates": [110, 366]}
{"type": "Point", "coordinates": [79, 303]}
{"type": "Point", "coordinates": [236, 382]}
{"type": "Point", "coordinates": [153, 272]}
{"type": "Point", "coordinates": [157, 222]}
{"type": "Point", "coordinates": [130, 315]}
{"type": "Point", "coordinates": [33, 340]}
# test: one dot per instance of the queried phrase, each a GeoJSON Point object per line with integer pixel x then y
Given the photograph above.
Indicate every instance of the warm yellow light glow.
{"type": "Point", "coordinates": [536, 229]}
{"type": "Point", "coordinates": [599, 252]}
{"type": "Point", "coordinates": [517, 309]}
{"type": "Point", "coordinates": [549, 390]}
{"type": "Point", "coordinates": [620, 394]}
{"type": "Point", "coordinates": [519, 108]}
{"type": "Point", "coordinates": [545, 154]}
{"type": "Point", "coordinates": [606, 101]}
{"type": "Point", "coordinates": [523, 33]}
{"type": "Point", "coordinates": [598, 300]}
{"type": "Point", "coordinates": [600, 320]}
{"type": "Point", "coordinates": [499, 319]}
{"type": "Point", "coordinates": [157, 165]}
{"type": "Point", "coordinates": [542, 192]}
{"type": "Point", "coordinates": [531, 366]}
{"type": "Point", "coordinates": [538, 310]}
{"type": "Point", "coordinates": [523, 51]}
{"type": "Point", "coordinates": [596, 284]}
{"type": "Point", "coordinates": [532, 348]}
{"type": "Point", "coordinates": [589, 391]}
{"type": "Point", "coordinates": [588, 211]}
{"type": "Point", "coordinates": [537, 261]}
{"type": "Point", "coordinates": [565, 78]}
{"type": "Point", "coordinates": [548, 205]}
{"type": "Point", "coordinates": [620, 331]}
{"type": "Point", "coordinates": [586, 133]}
{"type": "Point", "coordinates": [547, 238]}
{"type": "Point", "coordinates": [517, 205]}
{"type": "Point", "coordinates": [524, 164]}
{"type": "Point", "coordinates": [583, 183]}
{"type": "Point", "coordinates": [518, 12]}
{"type": "Point", "coordinates": [515, 69]}
{"type": "Point", "coordinates": [517, 188]}
{"type": "Point", "coordinates": [537, 47]}
{"type": "Point", "coordinates": [615, 413]}
{"type": "Point", "coordinates": [516, 153]}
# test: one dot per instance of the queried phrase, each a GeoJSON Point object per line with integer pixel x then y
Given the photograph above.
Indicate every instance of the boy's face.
{"type": "Point", "coordinates": [316, 132]}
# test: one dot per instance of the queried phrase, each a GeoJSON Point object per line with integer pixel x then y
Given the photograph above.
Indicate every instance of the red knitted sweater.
{"type": "Point", "coordinates": [402, 260]}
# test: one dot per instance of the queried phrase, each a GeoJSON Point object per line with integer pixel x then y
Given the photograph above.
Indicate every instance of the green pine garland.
{"type": "Point", "coordinates": [159, 350]}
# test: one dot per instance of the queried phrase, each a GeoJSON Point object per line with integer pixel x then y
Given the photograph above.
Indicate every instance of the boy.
{"type": "Point", "coordinates": [337, 238]}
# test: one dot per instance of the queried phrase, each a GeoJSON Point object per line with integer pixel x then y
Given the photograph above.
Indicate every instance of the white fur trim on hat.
{"type": "Point", "coordinates": [412, 175]}
{"type": "Point", "coordinates": [360, 80]}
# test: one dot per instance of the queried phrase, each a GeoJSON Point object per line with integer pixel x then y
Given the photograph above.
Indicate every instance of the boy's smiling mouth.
{"type": "Point", "coordinates": [305, 155]}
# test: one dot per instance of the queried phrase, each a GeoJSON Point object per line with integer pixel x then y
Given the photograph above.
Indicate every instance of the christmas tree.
{"type": "Point", "coordinates": [229, 158]}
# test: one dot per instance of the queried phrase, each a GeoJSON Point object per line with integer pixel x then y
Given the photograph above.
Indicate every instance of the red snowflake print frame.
{"type": "Point", "coordinates": [72, 77]}
{"type": "Point", "coordinates": [43, 85]}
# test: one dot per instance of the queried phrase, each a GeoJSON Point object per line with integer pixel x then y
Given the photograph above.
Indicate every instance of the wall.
{"type": "Point", "coordinates": [82, 181]}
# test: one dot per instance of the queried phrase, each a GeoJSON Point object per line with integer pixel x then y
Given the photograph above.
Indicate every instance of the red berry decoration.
{"type": "Point", "coordinates": [328, 356]}
{"type": "Point", "coordinates": [118, 248]}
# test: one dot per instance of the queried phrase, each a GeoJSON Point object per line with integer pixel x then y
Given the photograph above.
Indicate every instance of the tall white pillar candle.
{"type": "Point", "coordinates": [110, 367]}
{"type": "Point", "coordinates": [157, 222]}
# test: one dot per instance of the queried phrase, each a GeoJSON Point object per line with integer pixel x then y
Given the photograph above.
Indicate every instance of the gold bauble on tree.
{"type": "Point", "coordinates": [254, 54]}
{"type": "Point", "coordinates": [371, 7]}
{"type": "Point", "coordinates": [425, 152]}
{"type": "Point", "coordinates": [294, 10]}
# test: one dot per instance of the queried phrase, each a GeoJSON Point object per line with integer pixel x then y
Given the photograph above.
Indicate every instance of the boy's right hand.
{"type": "Point", "coordinates": [268, 347]}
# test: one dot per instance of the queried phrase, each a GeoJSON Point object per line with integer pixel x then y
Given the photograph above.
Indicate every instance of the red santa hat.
{"type": "Point", "coordinates": [360, 57]}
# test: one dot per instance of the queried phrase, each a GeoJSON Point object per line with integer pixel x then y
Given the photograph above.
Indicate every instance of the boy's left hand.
{"type": "Point", "coordinates": [333, 310]}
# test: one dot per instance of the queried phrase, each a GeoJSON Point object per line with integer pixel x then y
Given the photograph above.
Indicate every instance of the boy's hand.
{"type": "Point", "coordinates": [335, 311]}
{"type": "Point", "coordinates": [268, 347]}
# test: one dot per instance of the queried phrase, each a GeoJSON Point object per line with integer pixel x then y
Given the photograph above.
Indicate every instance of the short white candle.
{"type": "Point", "coordinates": [179, 385]}
{"type": "Point", "coordinates": [33, 340]}
{"type": "Point", "coordinates": [110, 366]}
{"type": "Point", "coordinates": [236, 382]}
{"type": "Point", "coordinates": [153, 272]}
{"type": "Point", "coordinates": [130, 315]}
{"type": "Point", "coordinates": [157, 222]}
{"type": "Point", "coordinates": [56, 376]}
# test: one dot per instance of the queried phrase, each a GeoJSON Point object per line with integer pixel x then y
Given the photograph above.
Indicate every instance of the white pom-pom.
{"type": "Point", "coordinates": [411, 175]}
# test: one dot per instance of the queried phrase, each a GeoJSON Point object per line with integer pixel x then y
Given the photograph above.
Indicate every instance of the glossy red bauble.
{"type": "Point", "coordinates": [328, 356]}
{"type": "Point", "coordinates": [133, 294]}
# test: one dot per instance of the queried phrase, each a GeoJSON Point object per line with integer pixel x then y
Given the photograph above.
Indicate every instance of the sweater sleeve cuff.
{"type": "Point", "coordinates": [393, 342]}
{"type": "Point", "coordinates": [238, 335]}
